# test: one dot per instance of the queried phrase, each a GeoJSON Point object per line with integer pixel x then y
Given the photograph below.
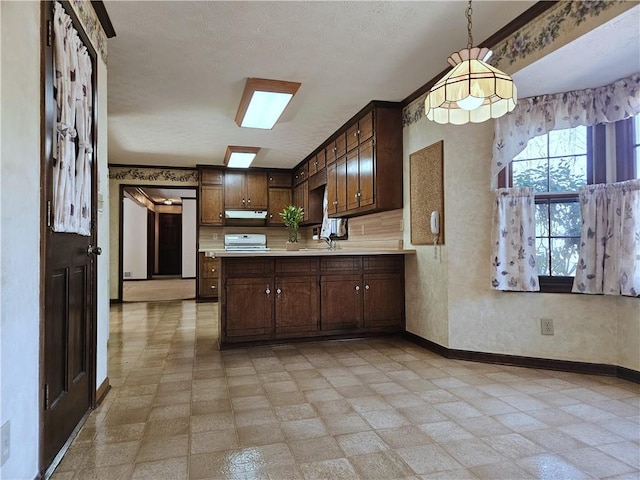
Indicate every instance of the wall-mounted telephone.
{"type": "Point", "coordinates": [435, 222]}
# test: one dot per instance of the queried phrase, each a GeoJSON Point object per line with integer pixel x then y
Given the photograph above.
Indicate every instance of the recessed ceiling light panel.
{"type": "Point", "coordinates": [263, 102]}
{"type": "Point", "coordinates": [240, 157]}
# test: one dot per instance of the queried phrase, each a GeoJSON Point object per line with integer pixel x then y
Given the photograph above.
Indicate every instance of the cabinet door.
{"type": "Point", "coordinates": [330, 152]}
{"type": "Point", "coordinates": [211, 177]}
{"type": "Point", "coordinates": [353, 190]}
{"type": "Point", "coordinates": [366, 174]}
{"type": "Point", "coordinates": [332, 189]}
{"type": "Point", "coordinates": [249, 307]}
{"type": "Point", "coordinates": [341, 145]}
{"type": "Point", "coordinates": [383, 300]}
{"type": "Point", "coordinates": [279, 198]}
{"type": "Point", "coordinates": [365, 127]}
{"type": "Point", "coordinates": [234, 191]}
{"type": "Point", "coordinates": [301, 196]}
{"type": "Point", "coordinates": [340, 302]}
{"type": "Point", "coordinates": [341, 185]}
{"type": "Point", "coordinates": [297, 304]}
{"type": "Point", "coordinates": [352, 137]}
{"type": "Point", "coordinates": [211, 205]}
{"type": "Point", "coordinates": [277, 178]}
{"type": "Point", "coordinates": [321, 161]}
{"type": "Point", "coordinates": [256, 185]}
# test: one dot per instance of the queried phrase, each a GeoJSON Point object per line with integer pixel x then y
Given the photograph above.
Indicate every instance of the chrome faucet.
{"type": "Point", "coordinates": [330, 243]}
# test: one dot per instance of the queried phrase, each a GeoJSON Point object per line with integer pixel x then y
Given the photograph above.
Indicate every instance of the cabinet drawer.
{"type": "Point", "coordinates": [210, 268]}
{"type": "Point", "coordinates": [340, 264]}
{"type": "Point", "coordinates": [297, 265]}
{"type": "Point", "coordinates": [246, 267]}
{"type": "Point", "coordinates": [211, 177]}
{"type": "Point", "coordinates": [208, 287]}
{"type": "Point", "coordinates": [383, 263]}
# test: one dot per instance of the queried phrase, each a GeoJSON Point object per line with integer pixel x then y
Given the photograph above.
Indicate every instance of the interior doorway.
{"type": "Point", "coordinates": [158, 243]}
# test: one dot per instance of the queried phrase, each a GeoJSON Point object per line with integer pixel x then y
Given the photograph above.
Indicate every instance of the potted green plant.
{"type": "Point", "coordinates": [292, 216]}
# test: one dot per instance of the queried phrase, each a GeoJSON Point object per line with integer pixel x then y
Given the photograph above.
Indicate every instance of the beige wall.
{"type": "Point", "coordinates": [450, 302]}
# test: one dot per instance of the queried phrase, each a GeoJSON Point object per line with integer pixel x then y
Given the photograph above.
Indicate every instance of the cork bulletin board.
{"type": "Point", "coordinates": [427, 192]}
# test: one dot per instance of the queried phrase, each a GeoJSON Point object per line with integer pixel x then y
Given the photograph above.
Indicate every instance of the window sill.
{"type": "Point", "coordinates": [555, 284]}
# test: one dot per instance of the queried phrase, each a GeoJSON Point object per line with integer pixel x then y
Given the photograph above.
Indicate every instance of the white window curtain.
{"type": "Point", "coordinates": [539, 115]}
{"type": "Point", "coordinates": [609, 259]}
{"type": "Point", "coordinates": [514, 241]}
{"type": "Point", "coordinates": [71, 166]}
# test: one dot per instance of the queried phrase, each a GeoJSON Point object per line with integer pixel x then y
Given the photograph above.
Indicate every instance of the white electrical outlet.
{"type": "Point", "coordinates": [5, 442]}
{"type": "Point", "coordinates": [546, 326]}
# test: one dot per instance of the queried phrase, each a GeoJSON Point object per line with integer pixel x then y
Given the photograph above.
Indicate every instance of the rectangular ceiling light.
{"type": "Point", "coordinates": [240, 157]}
{"type": "Point", "coordinates": [263, 101]}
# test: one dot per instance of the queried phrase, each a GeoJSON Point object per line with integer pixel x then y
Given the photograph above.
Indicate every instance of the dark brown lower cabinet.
{"type": "Point", "coordinates": [341, 302]}
{"type": "Point", "coordinates": [297, 305]}
{"type": "Point", "coordinates": [249, 307]}
{"type": "Point", "coordinates": [383, 300]}
{"type": "Point", "coordinates": [274, 299]}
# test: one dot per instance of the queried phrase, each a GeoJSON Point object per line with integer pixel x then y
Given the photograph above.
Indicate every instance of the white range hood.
{"type": "Point", "coordinates": [246, 214]}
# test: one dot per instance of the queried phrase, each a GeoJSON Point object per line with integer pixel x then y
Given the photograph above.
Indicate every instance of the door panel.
{"type": "Point", "coordinates": [366, 180]}
{"type": "Point", "coordinates": [77, 323]}
{"type": "Point", "coordinates": [383, 300]}
{"type": "Point", "coordinates": [170, 244]}
{"type": "Point", "coordinates": [279, 198]}
{"type": "Point", "coordinates": [249, 307]}
{"type": "Point", "coordinates": [234, 191]}
{"type": "Point", "coordinates": [353, 191]}
{"type": "Point", "coordinates": [211, 205]}
{"type": "Point", "coordinates": [341, 302]}
{"type": "Point", "coordinates": [297, 304]}
{"type": "Point", "coordinates": [332, 189]}
{"type": "Point", "coordinates": [341, 185]}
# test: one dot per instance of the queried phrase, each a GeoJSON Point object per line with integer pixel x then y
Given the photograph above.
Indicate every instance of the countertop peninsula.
{"type": "Point", "coordinates": [306, 252]}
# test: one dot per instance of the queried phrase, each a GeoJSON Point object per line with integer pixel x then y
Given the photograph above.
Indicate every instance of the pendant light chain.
{"type": "Point", "coordinates": [469, 25]}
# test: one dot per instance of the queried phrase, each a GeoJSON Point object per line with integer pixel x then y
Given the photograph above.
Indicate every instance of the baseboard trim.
{"type": "Point", "coordinates": [530, 362]}
{"type": "Point", "coordinates": [102, 391]}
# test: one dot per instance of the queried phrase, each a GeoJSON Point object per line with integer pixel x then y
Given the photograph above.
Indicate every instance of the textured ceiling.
{"type": "Point", "coordinates": [177, 69]}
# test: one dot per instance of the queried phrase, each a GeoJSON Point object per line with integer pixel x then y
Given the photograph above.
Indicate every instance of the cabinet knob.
{"type": "Point", "coordinates": [271, 215]}
{"type": "Point", "coordinates": [271, 179]}
{"type": "Point", "coordinates": [249, 201]}
{"type": "Point", "coordinates": [220, 215]}
{"type": "Point", "coordinates": [366, 287]}
{"type": "Point", "coordinates": [278, 291]}
{"type": "Point", "coordinates": [357, 288]}
{"type": "Point", "coordinates": [213, 269]}
{"type": "Point", "coordinates": [213, 287]}
{"type": "Point", "coordinates": [267, 291]}
{"type": "Point", "coordinates": [335, 202]}
{"type": "Point", "coordinates": [359, 194]}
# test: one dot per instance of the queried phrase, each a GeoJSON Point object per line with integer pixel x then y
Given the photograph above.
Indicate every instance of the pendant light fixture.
{"type": "Point", "coordinates": [472, 91]}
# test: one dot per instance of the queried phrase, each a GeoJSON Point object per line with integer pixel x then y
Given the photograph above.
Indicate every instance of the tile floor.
{"type": "Point", "coordinates": [368, 409]}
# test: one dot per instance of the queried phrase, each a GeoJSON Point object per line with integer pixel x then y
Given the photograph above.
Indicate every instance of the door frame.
{"type": "Point", "coordinates": [122, 188]}
{"type": "Point", "coordinates": [47, 108]}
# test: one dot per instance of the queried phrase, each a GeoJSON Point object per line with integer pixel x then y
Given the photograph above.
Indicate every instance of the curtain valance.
{"type": "Point", "coordinates": [536, 116]}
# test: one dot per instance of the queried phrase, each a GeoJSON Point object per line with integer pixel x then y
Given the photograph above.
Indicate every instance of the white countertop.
{"type": "Point", "coordinates": [306, 252]}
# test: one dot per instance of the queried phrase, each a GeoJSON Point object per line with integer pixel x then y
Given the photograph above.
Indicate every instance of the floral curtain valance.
{"type": "Point", "coordinates": [539, 115]}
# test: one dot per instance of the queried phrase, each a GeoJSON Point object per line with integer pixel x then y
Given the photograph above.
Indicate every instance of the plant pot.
{"type": "Point", "coordinates": [293, 246]}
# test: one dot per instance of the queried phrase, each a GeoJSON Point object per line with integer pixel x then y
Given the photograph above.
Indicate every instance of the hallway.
{"type": "Point", "coordinates": [369, 409]}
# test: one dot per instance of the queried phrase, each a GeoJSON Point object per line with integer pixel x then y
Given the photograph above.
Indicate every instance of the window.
{"type": "Point", "coordinates": [556, 165]}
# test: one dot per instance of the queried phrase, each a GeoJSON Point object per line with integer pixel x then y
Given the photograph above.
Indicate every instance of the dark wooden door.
{"type": "Point", "coordinates": [297, 304]}
{"type": "Point", "coordinates": [383, 300]}
{"type": "Point", "coordinates": [249, 306]}
{"type": "Point", "coordinates": [341, 302]}
{"type": "Point", "coordinates": [69, 269]}
{"type": "Point", "coordinates": [169, 243]}
{"type": "Point", "coordinates": [151, 243]}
